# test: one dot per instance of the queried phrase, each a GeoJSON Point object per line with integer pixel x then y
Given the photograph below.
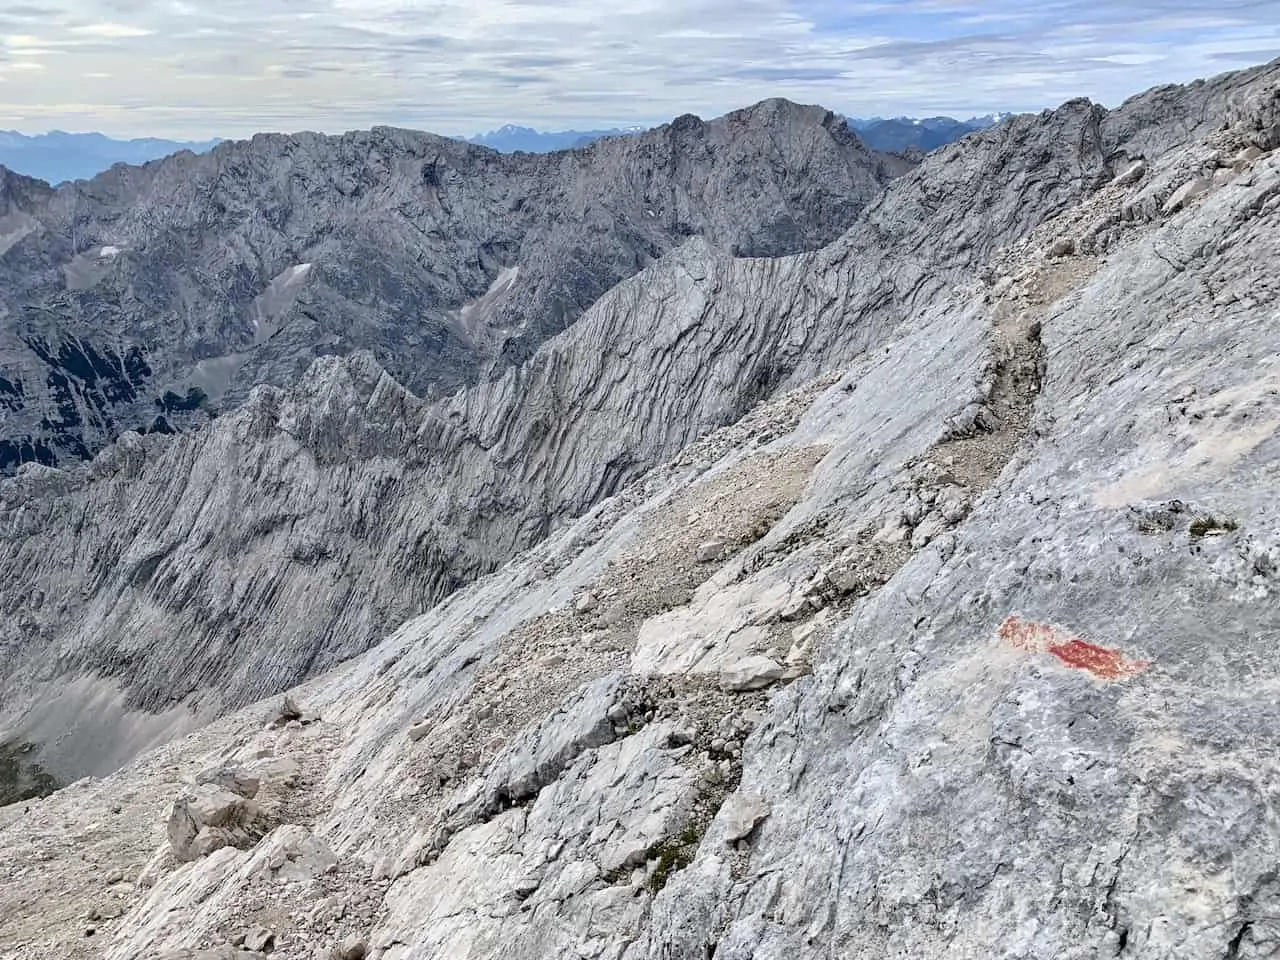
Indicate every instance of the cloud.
{"type": "Point", "coordinates": [195, 68]}
{"type": "Point", "coordinates": [112, 31]}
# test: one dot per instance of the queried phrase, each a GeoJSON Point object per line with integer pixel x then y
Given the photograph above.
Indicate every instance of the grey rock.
{"type": "Point", "coordinates": [352, 948]}
{"type": "Point", "coordinates": [741, 814]}
{"type": "Point", "coordinates": [211, 818]}
{"type": "Point", "coordinates": [1131, 174]}
{"type": "Point", "coordinates": [1043, 742]}
{"type": "Point", "coordinates": [293, 533]}
{"type": "Point", "coordinates": [1247, 156]}
{"type": "Point", "coordinates": [153, 298]}
{"type": "Point", "coordinates": [1189, 191]}
{"type": "Point", "coordinates": [750, 673]}
{"type": "Point", "coordinates": [1062, 247]}
{"type": "Point", "coordinates": [711, 551]}
{"type": "Point", "coordinates": [233, 779]}
{"type": "Point", "coordinates": [259, 940]}
{"type": "Point", "coordinates": [314, 517]}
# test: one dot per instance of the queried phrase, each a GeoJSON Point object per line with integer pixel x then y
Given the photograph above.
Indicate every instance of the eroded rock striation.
{"type": "Point", "coordinates": [151, 298]}
{"type": "Point", "coordinates": [996, 563]}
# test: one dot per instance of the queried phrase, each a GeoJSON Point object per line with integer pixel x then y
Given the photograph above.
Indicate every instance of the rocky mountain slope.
{"type": "Point", "coordinates": [234, 562]}
{"type": "Point", "coordinates": [152, 298]}
{"type": "Point", "coordinates": [910, 597]}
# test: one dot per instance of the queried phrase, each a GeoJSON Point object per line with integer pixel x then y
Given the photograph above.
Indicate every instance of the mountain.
{"type": "Point", "coordinates": [514, 139]}
{"type": "Point", "coordinates": [896, 135]}
{"type": "Point", "coordinates": [903, 134]}
{"type": "Point", "coordinates": [149, 299]}
{"type": "Point", "coordinates": [57, 157]}
{"type": "Point", "coordinates": [914, 595]}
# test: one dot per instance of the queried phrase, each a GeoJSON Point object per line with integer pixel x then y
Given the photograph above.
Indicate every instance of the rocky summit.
{"type": "Point", "coordinates": [153, 298]}
{"type": "Point", "coordinates": [886, 565]}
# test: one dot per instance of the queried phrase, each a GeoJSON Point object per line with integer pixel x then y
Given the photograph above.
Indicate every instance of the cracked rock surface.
{"type": "Point", "coordinates": [153, 298]}
{"type": "Point", "coordinates": [1001, 517]}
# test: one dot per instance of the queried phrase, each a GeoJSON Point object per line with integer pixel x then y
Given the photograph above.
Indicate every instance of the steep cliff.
{"type": "Point", "coordinates": [154, 297]}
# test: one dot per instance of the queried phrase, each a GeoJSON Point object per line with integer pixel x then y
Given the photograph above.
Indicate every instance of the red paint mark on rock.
{"type": "Point", "coordinates": [1071, 651]}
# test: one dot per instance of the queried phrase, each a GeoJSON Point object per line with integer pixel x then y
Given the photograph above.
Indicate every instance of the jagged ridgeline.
{"type": "Point", "coordinates": [150, 298]}
{"type": "Point", "coordinates": [911, 595]}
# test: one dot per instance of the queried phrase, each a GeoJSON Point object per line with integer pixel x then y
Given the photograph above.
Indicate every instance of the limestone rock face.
{"type": "Point", "coordinates": [1009, 519]}
{"type": "Point", "coordinates": [226, 564]}
{"type": "Point", "coordinates": [152, 298]}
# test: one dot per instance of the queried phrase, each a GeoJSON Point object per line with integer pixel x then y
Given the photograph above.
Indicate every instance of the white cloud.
{"type": "Point", "coordinates": [111, 31]}
{"type": "Point", "coordinates": [198, 67]}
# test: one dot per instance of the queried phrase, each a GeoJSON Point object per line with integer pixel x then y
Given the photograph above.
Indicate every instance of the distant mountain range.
{"type": "Point", "coordinates": [891, 135]}
{"type": "Point", "coordinates": [57, 157]}
{"type": "Point", "coordinates": [514, 139]}
{"type": "Point", "coordinates": [900, 134]}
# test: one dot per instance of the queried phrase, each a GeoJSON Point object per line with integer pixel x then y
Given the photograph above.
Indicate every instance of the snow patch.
{"type": "Point", "coordinates": [273, 302]}
{"type": "Point", "coordinates": [476, 314]}
{"type": "Point", "coordinates": [108, 252]}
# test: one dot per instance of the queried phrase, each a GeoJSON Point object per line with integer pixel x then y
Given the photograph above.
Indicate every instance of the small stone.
{"type": "Point", "coordinates": [1132, 174]}
{"type": "Point", "coordinates": [1223, 177]}
{"type": "Point", "coordinates": [586, 603]}
{"type": "Point", "coordinates": [796, 608]}
{"type": "Point", "coordinates": [804, 633]}
{"type": "Point", "coordinates": [618, 714]}
{"type": "Point", "coordinates": [711, 551]}
{"type": "Point", "coordinates": [484, 713]}
{"type": "Point", "coordinates": [288, 710]}
{"type": "Point", "coordinates": [232, 779]}
{"type": "Point", "coordinates": [718, 745]}
{"type": "Point", "coordinates": [682, 736]}
{"type": "Point", "coordinates": [930, 528]}
{"type": "Point", "coordinates": [1062, 247]}
{"type": "Point", "coordinates": [1246, 156]}
{"type": "Point", "coordinates": [352, 948]}
{"type": "Point", "coordinates": [753, 673]}
{"type": "Point", "coordinates": [212, 818]}
{"type": "Point", "coordinates": [259, 940]}
{"type": "Point", "coordinates": [742, 813]}
{"type": "Point", "coordinates": [893, 531]}
{"type": "Point", "coordinates": [1186, 193]}
{"type": "Point", "coordinates": [419, 730]}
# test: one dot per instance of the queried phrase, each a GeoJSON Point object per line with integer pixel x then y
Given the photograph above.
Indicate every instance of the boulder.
{"type": "Point", "coordinates": [1247, 156]}
{"type": "Point", "coordinates": [352, 948]}
{"type": "Point", "coordinates": [1131, 174]}
{"type": "Point", "coordinates": [231, 779]}
{"type": "Point", "coordinates": [752, 673]}
{"type": "Point", "coordinates": [711, 551]}
{"type": "Point", "coordinates": [1186, 193]}
{"type": "Point", "coordinates": [259, 940]}
{"type": "Point", "coordinates": [741, 814]}
{"type": "Point", "coordinates": [211, 818]}
{"type": "Point", "coordinates": [1062, 247]}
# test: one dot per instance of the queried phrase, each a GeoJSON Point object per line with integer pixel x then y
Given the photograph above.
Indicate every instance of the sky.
{"type": "Point", "coordinates": [196, 69]}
